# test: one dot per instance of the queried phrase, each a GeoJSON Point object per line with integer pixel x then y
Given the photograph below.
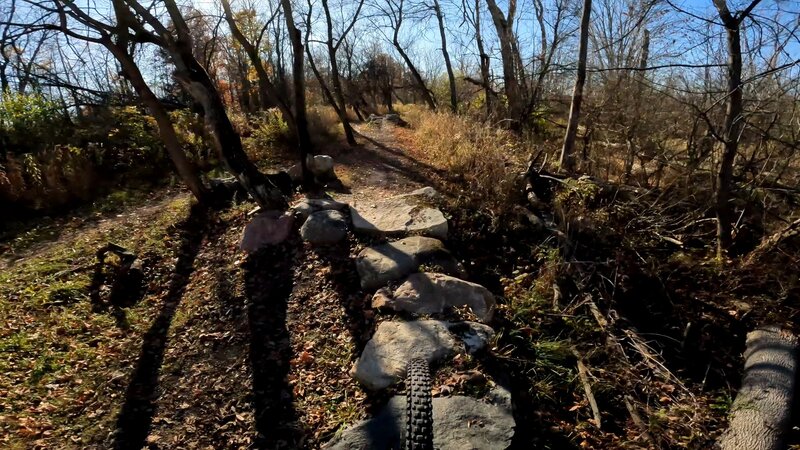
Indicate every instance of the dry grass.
{"type": "Point", "coordinates": [486, 161]}
{"type": "Point", "coordinates": [323, 123]}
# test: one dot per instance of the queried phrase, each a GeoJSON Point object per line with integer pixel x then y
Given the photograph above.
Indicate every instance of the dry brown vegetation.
{"type": "Point", "coordinates": [623, 175]}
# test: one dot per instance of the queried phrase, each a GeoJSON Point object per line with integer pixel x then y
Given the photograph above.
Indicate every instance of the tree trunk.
{"type": "Point", "coordinates": [299, 86]}
{"type": "Point", "coordinates": [195, 80]}
{"type": "Point", "coordinates": [505, 33]}
{"type": "Point", "coordinates": [567, 161]}
{"type": "Point", "coordinates": [733, 124]}
{"type": "Point", "coordinates": [268, 93]}
{"type": "Point", "coordinates": [329, 96]}
{"type": "Point", "coordinates": [426, 93]}
{"type": "Point", "coordinates": [637, 98]}
{"type": "Point", "coordinates": [450, 77]}
{"type": "Point", "coordinates": [760, 416]}
{"type": "Point", "coordinates": [485, 61]}
{"type": "Point", "coordinates": [338, 92]}
{"type": "Point", "coordinates": [183, 165]}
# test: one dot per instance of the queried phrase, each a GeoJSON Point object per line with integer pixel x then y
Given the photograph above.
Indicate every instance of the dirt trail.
{"type": "Point", "coordinates": [49, 232]}
{"type": "Point", "coordinates": [223, 350]}
{"type": "Point", "coordinates": [263, 358]}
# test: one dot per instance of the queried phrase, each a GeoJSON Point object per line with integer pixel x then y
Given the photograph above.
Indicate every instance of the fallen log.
{"type": "Point", "coordinates": [761, 413]}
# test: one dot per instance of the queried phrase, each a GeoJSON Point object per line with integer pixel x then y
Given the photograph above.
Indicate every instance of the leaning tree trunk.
{"type": "Point", "coordinates": [329, 96]}
{"type": "Point", "coordinates": [450, 76]}
{"type": "Point", "coordinates": [338, 92]}
{"type": "Point", "coordinates": [268, 93]}
{"type": "Point", "coordinates": [426, 93]}
{"type": "Point", "coordinates": [761, 414]}
{"type": "Point", "coordinates": [227, 142]}
{"type": "Point", "coordinates": [567, 161]}
{"type": "Point", "coordinates": [186, 170]}
{"type": "Point", "coordinates": [194, 79]}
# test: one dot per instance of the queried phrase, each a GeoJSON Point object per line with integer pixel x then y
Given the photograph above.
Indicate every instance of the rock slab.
{"type": "Point", "coordinates": [324, 228]}
{"type": "Point", "coordinates": [383, 263]}
{"type": "Point", "coordinates": [383, 361]}
{"type": "Point", "coordinates": [459, 423]}
{"type": "Point", "coordinates": [266, 228]}
{"type": "Point", "coordinates": [402, 215]}
{"type": "Point", "coordinates": [433, 293]}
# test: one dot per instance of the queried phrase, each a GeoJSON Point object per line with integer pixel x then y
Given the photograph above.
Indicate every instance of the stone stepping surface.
{"type": "Point", "coordinates": [401, 215]}
{"type": "Point", "coordinates": [459, 423]}
{"type": "Point", "coordinates": [324, 228]}
{"type": "Point", "coordinates": [308, 206]}
{"type": "Point", "coordinates": [435, 293]}
{"type": "Point", "coordinates": [381, 264]}
{"type": "Point", "coordinates": [383, 361]}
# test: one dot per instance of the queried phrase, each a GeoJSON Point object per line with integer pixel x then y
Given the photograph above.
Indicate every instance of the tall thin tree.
{"type": "Point", "coordinates": [567, 161]}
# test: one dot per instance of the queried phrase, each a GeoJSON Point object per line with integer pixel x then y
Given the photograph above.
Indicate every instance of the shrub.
{"type": "Point", "coordinates": [324, 124]}
{"type": "Point", "coordinates": [191, 132]}
{"type": "Point", "coordinates": [488, 160]}
{"type": "Point", "coordinates": [28, 122]}
{"type": "Point", "coordinates": [269, 135]}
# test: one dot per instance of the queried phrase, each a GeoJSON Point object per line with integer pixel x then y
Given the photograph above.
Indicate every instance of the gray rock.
{"type": "Point", "coordinates": [459, 423]}
{"type": "Point", "coordinates": [321, 166]}
{"type": "Point", "coordinates": [475, 336]}
{"type": "Point", "coordinates": [383, 361]}
{"type": "Point", "coordinates": [295, 172]}
{"type": "Point", "coordinates": [308, 206]}
{"type": "Point", "coordinates": [266, 228]}
{"type": "Point", "coordinates": [499, 396]}
{"type": "Point", "coordinates": [426, 192]}
{"type": "Point", "coordinates": [402, 215]}
{"type": "Point", "coordinates": [383, 263]}
{"type": "Point", "coordinates": [324, 228]}
{"type": "Point", "coordinates": [433, 293]}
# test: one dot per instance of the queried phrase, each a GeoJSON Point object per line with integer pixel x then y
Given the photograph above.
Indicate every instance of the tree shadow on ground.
{"type": "Point", "coordinates": [268, 286]}
{"type": "Point", "coordinates": [404, 165]}
{"type": "Point", "coordinates": [136, 416]}
{"type": "Point", "coordinates": [343, 277]}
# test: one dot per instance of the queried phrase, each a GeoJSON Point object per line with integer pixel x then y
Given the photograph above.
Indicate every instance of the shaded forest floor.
{"type": "Point", "coordinates": [226, 351]}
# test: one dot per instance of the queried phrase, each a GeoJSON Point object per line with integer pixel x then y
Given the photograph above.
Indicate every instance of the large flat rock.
{"type": "Point", "coordinates": [459, 423]}
{"type": "Point", "coordinates": [383, 361]}
{"type": "Point", "coordinates": [434, 293]}
{"type": "Point", "coordinates": [380, 264]}
{"type": "Point", "coordinates": [402, 215]}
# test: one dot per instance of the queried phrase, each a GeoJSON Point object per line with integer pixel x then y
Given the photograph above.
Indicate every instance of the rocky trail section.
{"type": "Point", "coordinates": [411, 275]}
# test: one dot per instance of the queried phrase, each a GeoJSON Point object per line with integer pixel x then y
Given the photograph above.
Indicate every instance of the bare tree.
{"type": "Point", "coordinates": [395, 14]}
{"type": "Point", "coordinates": [473, 16]}
{"type": "Point", "coordinates": [333, 44]}
{"type": "Point", "coordinates": [450, 76]}
{"type": "Point", "coordinates": [299, 85]}
{"type": "Point", "coordinates": [734, 122]}
{"type": "Point", "coordinates": [268, 92]}
{"type": "Point", "coordinates": [567, 151]}
{"type": "Point", "coordinates": [509, 52]}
